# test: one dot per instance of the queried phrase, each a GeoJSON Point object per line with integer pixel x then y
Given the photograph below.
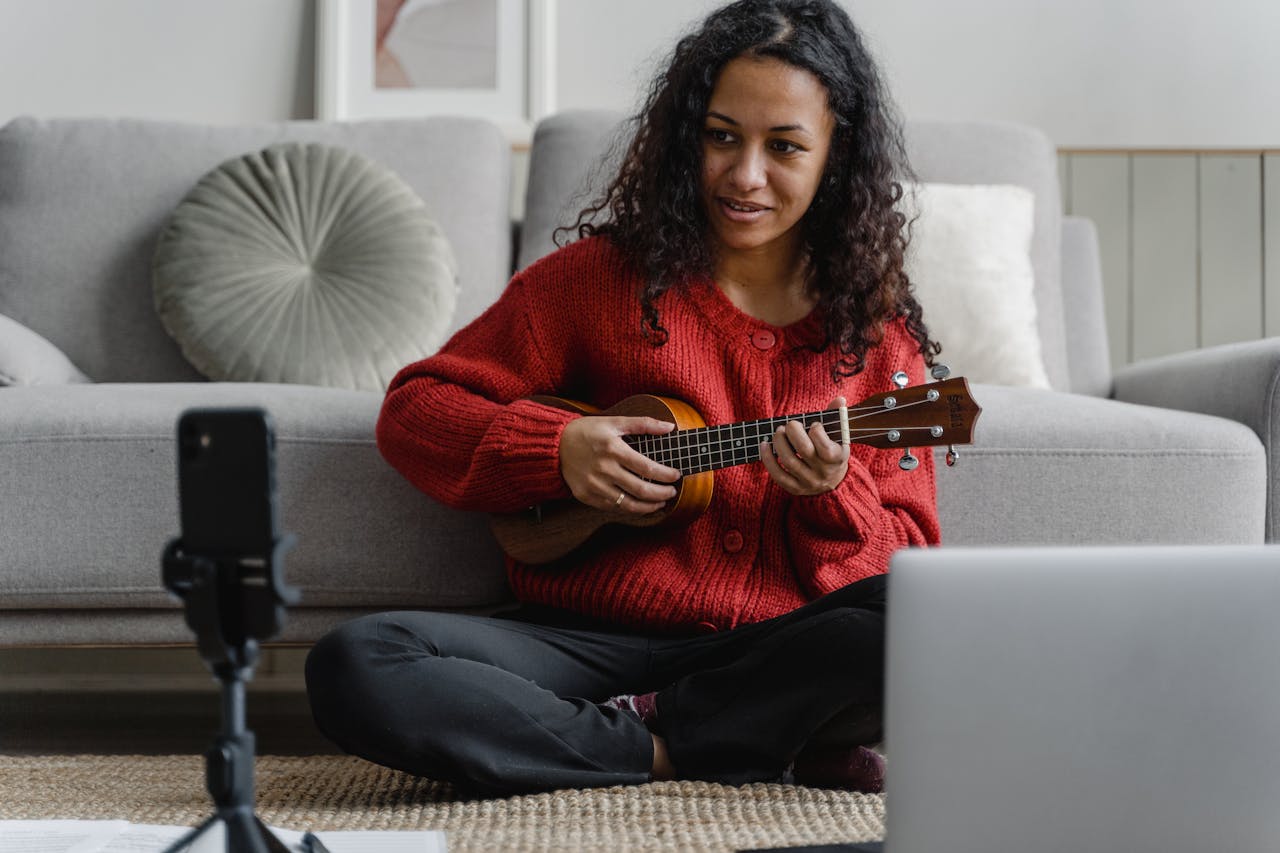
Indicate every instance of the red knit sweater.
{"type": "Point", "coordinates": [457, 427]}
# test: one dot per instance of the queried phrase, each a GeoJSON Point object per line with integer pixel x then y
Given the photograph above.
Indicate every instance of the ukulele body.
{"type": "Point", "coordinates": [546, 532]}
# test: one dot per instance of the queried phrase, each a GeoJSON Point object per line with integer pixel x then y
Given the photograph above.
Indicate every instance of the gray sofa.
{"type": "Point", "coordinates": [1176, 451]}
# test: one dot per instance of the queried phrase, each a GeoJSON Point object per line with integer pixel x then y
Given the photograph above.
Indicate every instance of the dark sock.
{"type": "Point", "coordinates": [855, 768]}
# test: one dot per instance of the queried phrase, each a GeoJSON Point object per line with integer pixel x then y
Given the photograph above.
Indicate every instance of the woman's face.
{"type": "Point", "coordinates": [764, 147]}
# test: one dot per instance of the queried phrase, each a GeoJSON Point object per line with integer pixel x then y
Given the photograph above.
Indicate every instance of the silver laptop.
{"type": "Point", "coordinates": [1083, 699]}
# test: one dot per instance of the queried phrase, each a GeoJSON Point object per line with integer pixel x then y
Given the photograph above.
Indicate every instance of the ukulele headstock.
{"type": "Point", "coordinates": [926, 415]}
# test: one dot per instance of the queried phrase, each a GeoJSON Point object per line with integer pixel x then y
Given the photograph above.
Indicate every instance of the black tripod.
{"type": "Point", "coordinates": [231, 603]}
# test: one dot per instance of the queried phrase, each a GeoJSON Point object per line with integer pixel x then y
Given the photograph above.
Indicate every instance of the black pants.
{"type": "Point", "coordinates": [502, 705]}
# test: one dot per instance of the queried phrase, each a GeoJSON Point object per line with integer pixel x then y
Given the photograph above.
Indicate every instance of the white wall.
{"type": "Point", "coordinates": [1092, 73]}
{"type": "Point", "coordinates": [219, 61]}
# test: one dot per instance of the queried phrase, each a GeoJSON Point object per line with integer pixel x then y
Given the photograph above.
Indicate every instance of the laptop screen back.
{"type": "Point", "coordinates": [1083, 699]}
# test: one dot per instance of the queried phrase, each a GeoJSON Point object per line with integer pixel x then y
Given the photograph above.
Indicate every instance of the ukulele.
{"type": "Point", "coordinates": [922, 416]}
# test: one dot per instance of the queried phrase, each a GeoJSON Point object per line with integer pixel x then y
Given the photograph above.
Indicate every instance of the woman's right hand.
{"type": "Point", "coordinates": [603, 471]}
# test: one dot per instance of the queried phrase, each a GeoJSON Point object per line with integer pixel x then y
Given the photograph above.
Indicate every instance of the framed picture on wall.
{"type": "Point", "coordinates": [393, 58]}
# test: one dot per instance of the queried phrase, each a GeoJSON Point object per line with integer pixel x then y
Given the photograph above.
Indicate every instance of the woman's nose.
{"type": "Point", "coordinates": [748, 171]}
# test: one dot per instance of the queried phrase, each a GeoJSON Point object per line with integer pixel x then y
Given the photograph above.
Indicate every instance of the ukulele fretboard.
{"type": "Point", "coordinates": [693, 451]}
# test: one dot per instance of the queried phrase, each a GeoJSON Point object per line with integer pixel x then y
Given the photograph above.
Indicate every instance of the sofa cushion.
{"type": "Point", "coordinates": [28, 359]}
{"type": "Point", "coordinates": [969, 266]}
{"type": "Point", "coordinates": [90, 485]}
{"type": "Point", "coordinates": [82, 203]}
{"type": "Point", "coordinates": [304, 263]}
{"type": "Point", "coordinates": [956, 152]}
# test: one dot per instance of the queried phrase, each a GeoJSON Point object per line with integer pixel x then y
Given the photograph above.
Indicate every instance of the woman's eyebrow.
{"type": "Point", "coordinates": [782, 128]}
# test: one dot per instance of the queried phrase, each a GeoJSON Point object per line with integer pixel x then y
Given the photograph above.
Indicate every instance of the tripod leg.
{"type": "Point", "coordinates": [187, 840]}
{"type": "Point", "coordinates": [247, 834]}
{"type": "Point", "coordinates": [243, 833]}
{"type": "Point", "coordinates": [274, 845]}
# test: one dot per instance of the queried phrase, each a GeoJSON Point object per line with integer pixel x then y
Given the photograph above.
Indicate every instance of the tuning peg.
{"type": "Point", "coordinates": [901, 379]}
{"type": "Point", "coordinates": [908, 462]}
{"type": "Point", "coordinates": [940, 371]}
{"type": "Point", "coordinates": [952, 455]}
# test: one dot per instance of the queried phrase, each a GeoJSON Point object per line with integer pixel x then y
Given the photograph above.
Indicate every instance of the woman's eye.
{"type": "Point", "coordinates": [715, 134]}
{"type": "Point", "coordinates": [782, 146]}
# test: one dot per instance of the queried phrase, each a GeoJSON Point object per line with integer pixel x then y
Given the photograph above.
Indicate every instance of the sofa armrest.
{"type": "Point", "coordinates": [28, 359]}
{"type": "Point", "coordinates": [1083, 309]}
{"type": "Point", "coordinates": [1234, 381]}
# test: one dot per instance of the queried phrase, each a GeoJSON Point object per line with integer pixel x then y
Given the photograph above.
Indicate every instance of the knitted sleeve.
{"type": "Point", "coordinates": [850, 533]}
{"type": "Point", "coordinates": [456, 426]}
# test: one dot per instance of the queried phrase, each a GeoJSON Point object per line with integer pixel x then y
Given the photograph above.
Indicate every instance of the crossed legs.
{"type": "Point", "coordinates": [504, 706]}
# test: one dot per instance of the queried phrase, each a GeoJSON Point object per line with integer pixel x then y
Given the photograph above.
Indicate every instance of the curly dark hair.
{"type": "Point", "coordinates": [854, 235]}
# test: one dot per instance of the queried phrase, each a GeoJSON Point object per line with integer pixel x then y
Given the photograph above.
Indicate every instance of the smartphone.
{"type": "Point", "coordinates": [227, 482]}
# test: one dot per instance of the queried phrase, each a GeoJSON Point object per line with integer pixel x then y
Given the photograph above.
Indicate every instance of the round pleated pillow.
{"type": "Point", "coordinates": [306, 264]}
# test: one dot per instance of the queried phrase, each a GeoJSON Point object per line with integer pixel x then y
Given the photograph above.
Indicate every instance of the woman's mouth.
{"type": "Point", "coordinates": [741, 211]}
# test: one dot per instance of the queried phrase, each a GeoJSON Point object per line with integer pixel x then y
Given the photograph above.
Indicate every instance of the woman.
{"type": "Point", "coordinates": [750, 264]}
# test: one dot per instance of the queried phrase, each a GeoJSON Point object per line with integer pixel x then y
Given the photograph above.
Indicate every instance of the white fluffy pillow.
{"type": "Point", "coordinates": [26, 358]}
{"type": "Point", "coordinates": [970, 265]}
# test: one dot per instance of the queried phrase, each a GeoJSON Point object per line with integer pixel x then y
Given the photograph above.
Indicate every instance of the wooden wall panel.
{"type": "Point", "coordinates": [1099, 190]}
{"type": "Point", "coordinates": [1165, 238]}
{"type": "Point", "coordinates": [1231, 304]}
{"type": "Point", "coordinates": [1190, 244]}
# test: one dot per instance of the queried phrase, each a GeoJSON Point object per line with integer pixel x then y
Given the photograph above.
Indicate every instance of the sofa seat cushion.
{"type": "Point", "coordinates": [307, 264]}
{"type": "Point", "coordinates": [1049, 468]}
{"type": "Point", "coordinates": [89, 478]}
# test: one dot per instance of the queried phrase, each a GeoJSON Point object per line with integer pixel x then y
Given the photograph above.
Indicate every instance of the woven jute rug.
{"type": "Point", "coordinates": [341, 792]}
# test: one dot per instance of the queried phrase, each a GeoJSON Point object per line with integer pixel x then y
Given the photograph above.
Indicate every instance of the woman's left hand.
{"type": "Point", "coordinates": [805, 462]}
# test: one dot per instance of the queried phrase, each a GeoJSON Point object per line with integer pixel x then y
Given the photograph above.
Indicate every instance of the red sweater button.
{"type": "Point", "coordinates": [763, 339]}
{"type": "Point", "coordinates": [733, 542]}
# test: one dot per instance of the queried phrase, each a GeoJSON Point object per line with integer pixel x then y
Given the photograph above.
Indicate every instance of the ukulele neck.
{"type": "Point", "coordinates": [693, 451]}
